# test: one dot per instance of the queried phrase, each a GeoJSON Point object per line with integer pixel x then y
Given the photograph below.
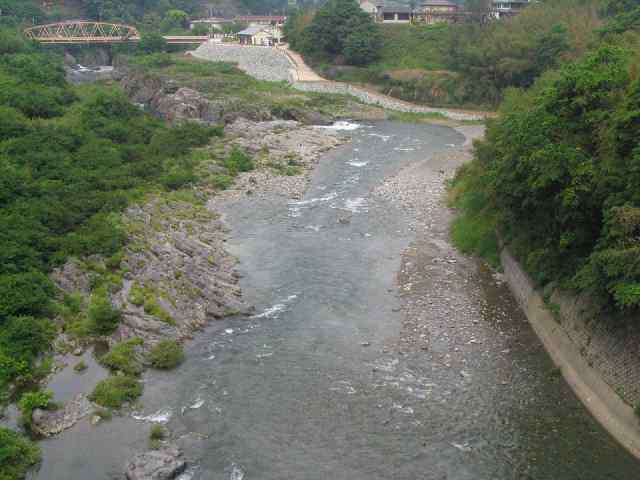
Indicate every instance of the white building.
{"type": "Point", "coordinates": [505, 8]}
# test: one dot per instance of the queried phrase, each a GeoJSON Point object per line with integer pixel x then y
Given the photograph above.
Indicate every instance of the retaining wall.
{"type": "Point", "coordinates": [598, 357]}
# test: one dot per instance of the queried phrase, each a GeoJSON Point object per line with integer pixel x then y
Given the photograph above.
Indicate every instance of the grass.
{"type": "Point", "coordinates": [167, 354]}
{"type": "Point", "coordinates": [147, 297]}
{"type": "Point", "coordinates": [80, 366]}
{"type": "Point", "coordinates": [113, 392]}
{"type": "Point", "coordinates": [414, 117]}
{"type": "Point", "coordinates": [473, 232]}
{"type": "Point", "coordinates": [103, 414]}
{"type": "Point", "coordinates": [124, 358]}
{"type": "Point", "coordinates": [223, 80]}
{"type": "Point", "coordinates": [156, 435]}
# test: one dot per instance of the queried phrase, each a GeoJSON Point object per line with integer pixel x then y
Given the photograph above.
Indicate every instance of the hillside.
{"type": "Point", "coordinates": [468, 64]}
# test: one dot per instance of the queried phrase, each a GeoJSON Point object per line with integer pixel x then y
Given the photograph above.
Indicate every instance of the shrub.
{"type": "Point", "coordinates": [124, 358]}
{"type": "Point", "coordinates": [103, 317]}
{"type": "Point", "coordinates": [166, 355]}
{"type": "Point", "coordinates": [24, 294]}
{"type": "Point", "coordinates": [103, 414]}
{"type": "Point", "coordinates": [80, 366]}
{"type": "Point", "coordinates": [238, 161]}
{"type": "Point", "coordinates": [156, 435]}
{"type": "Point", "coordinates": [17, 455]}
{"type": "Point", "coordinates": [152, 307]}
{"type": "Point", "coordinates": [221, 182]}
{"type": "Point", "coordinates": [152, 42]}
{"type": "Point", "coordinates": [23, 338]}
{"type": "Point", "coordinates": [30, 401]}
{"type": "Point", "coordinates": [113, 392]}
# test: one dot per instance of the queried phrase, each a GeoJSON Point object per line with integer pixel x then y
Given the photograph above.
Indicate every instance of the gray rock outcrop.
{"type": "Point", "coordinates": [48, 423]}
{"type": "Point", "coordinates": [163, 464]}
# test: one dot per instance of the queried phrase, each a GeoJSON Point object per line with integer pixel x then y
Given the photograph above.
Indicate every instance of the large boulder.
{"type": "Point", "coordinates": [187, 104]}
{"type": "Point", "coordinates": [49, 423]}
{"type": "Point", "coordinates": [164, 464]}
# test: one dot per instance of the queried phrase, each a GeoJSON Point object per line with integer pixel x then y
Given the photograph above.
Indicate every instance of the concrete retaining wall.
{"type": "Point", "coordinates": [587, 353]}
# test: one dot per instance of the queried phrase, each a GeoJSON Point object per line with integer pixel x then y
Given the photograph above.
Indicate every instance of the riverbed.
{"type": "Point", "coordinates": [377, 351]}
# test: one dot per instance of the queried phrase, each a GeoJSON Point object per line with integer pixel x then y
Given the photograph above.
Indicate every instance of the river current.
{"type": "Point", "coordinates": [316, 385]}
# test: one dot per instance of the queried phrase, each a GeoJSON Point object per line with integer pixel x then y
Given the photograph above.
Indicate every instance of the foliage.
{"type": "Point", "coordinates": [103, 316]}
{"type": "Point", "coordinates": [156, 435]}
{"type": "Point", "coordinates": [167, 354]}
{"type": "Point", "coordinates": [340, 28]}
{"type": "Point", "coordinates": [17, 455]}
{"type": "Point", "coordinates": [560, 170]}
{"type": "Point", "coordinates": [472, 63]}
{"type": "Point", "coordinates": [238, 161]}
{"type": "Point", "coordinates": [175, 19]}
{"type": "Point", "coordinates": [152, 42]}
{"type": "Point", "coordinates": [474, 229]}
{"type": "Point", "coordinates": [124, 358]}
{"type": "Point", "coordinates": [32, 400]}
{"type": "Point", "coordinates": [113, 392]}
{"type": "Point", "coordinates": [63, 200]}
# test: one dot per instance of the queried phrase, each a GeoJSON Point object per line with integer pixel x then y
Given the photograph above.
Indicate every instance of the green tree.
{"type": "Point", "coordinates": [328, 33]}
{"type": "Point", "coordinates": [175, 19]}
{"type": "Point", "coordinates": [363, 45]}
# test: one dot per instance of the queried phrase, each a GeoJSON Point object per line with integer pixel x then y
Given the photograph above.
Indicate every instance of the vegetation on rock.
{"type": "Point", "coordinates": [113, 392]}
{"type": "Point", "coordinates": [167, 354]}
{"type": "Point", "coordinates": [124, 358]}
{"type": "Point", "coordinates": [17, 455]}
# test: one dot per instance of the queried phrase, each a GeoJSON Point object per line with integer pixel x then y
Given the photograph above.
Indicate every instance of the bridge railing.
{"type": "Point", "coordinates": [82, 32]}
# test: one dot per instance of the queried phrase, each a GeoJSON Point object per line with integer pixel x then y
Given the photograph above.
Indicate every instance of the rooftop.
{"type": "Point", "coordinates": [251, 31]}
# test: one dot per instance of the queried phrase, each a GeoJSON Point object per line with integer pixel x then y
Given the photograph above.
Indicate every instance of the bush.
{"type": "Point", "coordinates": [103, 317]}
{"type": "Point", "coordinates": [152, 307]}
{"type": "Point", "coordinates": [124, 358]}
{"type": "Point", "coordinates": [156, 435]}
{"type": "Point", "coordinates": [80, 366]}
{"type": "Point", "coordinates": [24, 294]}
{"type": "Point", "coordinates": [152, 42]}
{"type": "Point", "coordinates": [113, 392]}
{"type": "Point", "coordinates": [17, 455]}
{"type": "Point", "coordinates": [30, 401]}
{"type": "Point", "coordinates": [221, 182]}
{"type": "Point", "coordinates": [238, 161]}
{"type": "Point", "coordinates": [167, 354]}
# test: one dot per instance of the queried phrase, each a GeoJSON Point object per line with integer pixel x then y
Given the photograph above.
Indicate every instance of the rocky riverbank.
{"type": "Point", "coordinates": [176, 258]}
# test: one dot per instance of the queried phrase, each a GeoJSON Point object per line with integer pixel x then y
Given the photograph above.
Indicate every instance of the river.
{"type": "Point", "coordinates": [377, 351]}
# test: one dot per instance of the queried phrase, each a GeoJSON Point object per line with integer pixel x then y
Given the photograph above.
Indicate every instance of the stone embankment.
{"type": "Point", "coordinates": [263, 63]}
{"type": "Point", "coordinates": [384, 101]}
{"type": "Point", "coordinates": [597, 356]}
{"type": "Point", "coordinates": [278, 64]}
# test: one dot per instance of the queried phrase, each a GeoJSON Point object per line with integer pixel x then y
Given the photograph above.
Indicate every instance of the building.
{"type": "Point", "coordinates": [265, 35]}
{"type": "Point", "coordinates": [395, 13]}
{"type": "Point", "coordinates": [437, 11]}
{"type": "Point", "coordinates": [372, 7]}
{"type": "Point", "coordinates": [213, 23]}
{"type": "Point", "coordinates": [505, 8]}
{"type": "Point", "coordinates": [255, 20]}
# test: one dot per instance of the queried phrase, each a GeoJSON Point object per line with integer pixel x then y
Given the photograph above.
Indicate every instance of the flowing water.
{"type": "Point", "coordinates": [317, 384]}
